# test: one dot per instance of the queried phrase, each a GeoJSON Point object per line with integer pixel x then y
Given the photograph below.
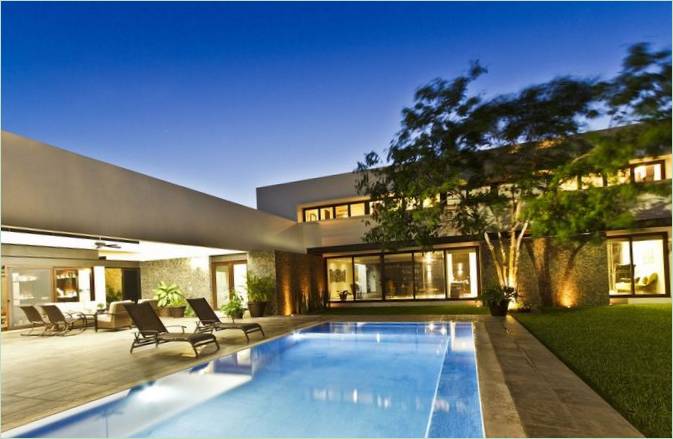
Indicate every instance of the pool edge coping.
{"type": "Point", "coordinates": [500, 416]}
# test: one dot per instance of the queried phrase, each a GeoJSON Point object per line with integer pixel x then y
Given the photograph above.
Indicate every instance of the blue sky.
{"type": "Point", "coordinates": [225, 97]}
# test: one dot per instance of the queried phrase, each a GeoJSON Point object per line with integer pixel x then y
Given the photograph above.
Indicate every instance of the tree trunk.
{"type": "Point", "coordinates": [540, 253]}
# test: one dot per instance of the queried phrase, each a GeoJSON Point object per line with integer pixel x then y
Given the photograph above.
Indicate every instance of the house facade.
{"type": "Point", "coordinates": [81, 233]}
{"type": "Point", "coordinates": [627, 266]}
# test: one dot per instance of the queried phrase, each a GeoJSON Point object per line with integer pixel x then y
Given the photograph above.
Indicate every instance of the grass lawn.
{"type": "Point", "coordinates": [409, 310]}
{"type": "Point", "coordinates": [622, 351]}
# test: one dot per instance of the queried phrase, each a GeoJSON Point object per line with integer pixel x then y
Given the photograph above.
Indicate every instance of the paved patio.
{"type": "Point", "coordinates": [46, 375]}
{"type": "Point", "coordinates": [526, 390]}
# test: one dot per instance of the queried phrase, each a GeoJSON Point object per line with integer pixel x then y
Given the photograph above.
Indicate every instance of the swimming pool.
{"type": "Point", "coordinates": [329, 380]}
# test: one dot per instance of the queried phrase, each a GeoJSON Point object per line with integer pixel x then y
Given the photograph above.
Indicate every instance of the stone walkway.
{"type": "Point", "coordinates": [550, 399]}
{"type": "Point", "coordinates": [525, 389]}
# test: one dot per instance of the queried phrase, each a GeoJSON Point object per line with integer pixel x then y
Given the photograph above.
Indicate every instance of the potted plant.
{"type": "Point", "coordinates": [343, 295]}
{"type": "Point", "coordinates": [170, 300]}
{"type": "Point", "coordinates": [497, 299]}
{"type": "Point", "coordinates": [260, 291]}
{"type": "Point", "coordinates": [234, 308]}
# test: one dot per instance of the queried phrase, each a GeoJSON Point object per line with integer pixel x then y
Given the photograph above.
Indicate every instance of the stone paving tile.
{"type": "Point", "coordinates": [77, 369]}
{"type": "Point", "coordinates": [550, 399]}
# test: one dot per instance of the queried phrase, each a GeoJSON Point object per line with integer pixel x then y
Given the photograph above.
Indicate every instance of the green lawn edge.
{"type": "Point", "coordinates": [622, 351]}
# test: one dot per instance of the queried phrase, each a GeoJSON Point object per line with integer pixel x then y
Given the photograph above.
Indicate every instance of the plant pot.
{"type": "Point", "coordinates": [177, 311]}
{"type": "Point", "coordinates": [256, 308]}
{"type": "Point", "coordinates": [164, 312]}
{"type": "Point", "coordinates": [238, 315]}
{"type": "Point", "coordinates": [499, 309]}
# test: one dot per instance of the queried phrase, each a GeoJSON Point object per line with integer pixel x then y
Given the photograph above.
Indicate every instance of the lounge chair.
{"type": "Point", "coordinates": [154, 303]}
{"type": "Point", "coordinates": [209, 321]}
{"type": "Point", "coordinates": [35, 319]}
{"type": "Point", "coordinates": [151, 330]}
{"type": "Point", "coordinates": [62, 323]}
{"type": "Point", "coordinates": [115, 318]}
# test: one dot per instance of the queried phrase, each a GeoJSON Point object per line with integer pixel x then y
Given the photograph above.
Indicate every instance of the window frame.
{"type": "Point", "coordinates": [663, 236]}
{"type": "Point", "coordinates": [333, 207]}
{"type": "Point", "coordinates": [384, 294]}
{"type": "Point", "coordinates": [662, 170]}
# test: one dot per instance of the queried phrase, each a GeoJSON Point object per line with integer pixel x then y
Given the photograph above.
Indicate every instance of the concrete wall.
{"type": "Point", "coordinates": [192, 275]}
{"type": "Point", "coordinates": [104, 199]}
{"type": "Point", "coordinates": [283, 199]}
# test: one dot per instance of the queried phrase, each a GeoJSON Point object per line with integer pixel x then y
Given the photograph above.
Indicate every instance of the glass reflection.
{"type": "Point", "coordinates": [429, 275]}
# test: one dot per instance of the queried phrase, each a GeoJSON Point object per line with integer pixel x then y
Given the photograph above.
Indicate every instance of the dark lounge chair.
{"type": "Point", "coordinates": [35, 319]}
{"type": "Point", "coordinates": [209, 321]}
{"type": "Point", "coordinates": [151, 330]}
{"type": "Point", "coordinates": [62, 323]}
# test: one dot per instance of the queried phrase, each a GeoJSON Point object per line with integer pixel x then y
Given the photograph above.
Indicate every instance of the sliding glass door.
{"type": "Point", "coordinates": [27, 286]}
{"type": "Point", "coordinates": [637, 265]}
{"type": "Point", "coordinates": [229, 278]}
{"type": "Point", "coordinates": [451, 273]}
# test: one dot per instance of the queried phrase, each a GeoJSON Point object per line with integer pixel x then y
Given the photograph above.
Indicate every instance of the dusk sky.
{"type": "Point", "coordinates": [225, 97]}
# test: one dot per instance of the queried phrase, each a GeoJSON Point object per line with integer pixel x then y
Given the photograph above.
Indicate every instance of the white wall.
{"type": "Point", "coordinates": [283, 199]}
{"type": "Point", "coordinates": [45, 187]}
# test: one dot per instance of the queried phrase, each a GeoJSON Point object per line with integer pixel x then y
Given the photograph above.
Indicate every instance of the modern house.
{"type": "Point", "coordinates": [80, 232]}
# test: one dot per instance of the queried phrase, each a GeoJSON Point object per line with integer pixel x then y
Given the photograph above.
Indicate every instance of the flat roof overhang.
{"type": "Point", "coordinates": [48, 188]}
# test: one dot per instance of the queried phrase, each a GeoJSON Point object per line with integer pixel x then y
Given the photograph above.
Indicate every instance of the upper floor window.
{"type": "Point", "coordinates": [648, 172]}
{"type": "Point", "coordinates": [336, 211]}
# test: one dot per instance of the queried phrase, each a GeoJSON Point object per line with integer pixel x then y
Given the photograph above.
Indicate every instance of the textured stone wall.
{"type": "Point", "coordinates": [300, 280]}
{"type": "Point", "coordinates": [586, 283]}
{"type": "Point", "coordinates": [263, 263]}
{"type": "Point", "coordinates": [192, 275]}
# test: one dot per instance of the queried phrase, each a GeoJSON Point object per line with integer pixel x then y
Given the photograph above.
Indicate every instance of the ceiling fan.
{"type": "Point", "coordinates": [102, 244]}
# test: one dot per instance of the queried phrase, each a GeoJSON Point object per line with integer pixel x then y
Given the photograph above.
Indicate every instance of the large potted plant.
{"type": "Point", "coordinates": [234, 307]}
{"type": "Point", "coordinates": [170, 300]}
{"type": "Point", "coordinates": [497, 299]}
{"type": "Point", "coordinates": [260, 291]}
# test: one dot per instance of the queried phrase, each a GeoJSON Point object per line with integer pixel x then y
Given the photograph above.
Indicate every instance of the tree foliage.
{"type": "Point", "coordinates": [497, 167]}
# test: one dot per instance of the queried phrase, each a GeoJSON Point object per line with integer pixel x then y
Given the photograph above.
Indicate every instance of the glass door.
{"type": "Point", "coordinates": [27, 286]}
{"type": "Point", "coordinates": [241, 280]}
{"type": "Point", "coordinates": [229, 277]}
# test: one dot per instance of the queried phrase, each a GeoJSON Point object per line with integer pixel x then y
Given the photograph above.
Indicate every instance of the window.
{"type": "Point", "coordinates": [622, 176]}
{"type": "Point", "coordinates": [429, 275]}
{"type": "Point", "coordinates": [340, 279]}
{"type": "Point", "coordinates": [358, 209]}
{"type": "Point", "coordinates": [398, 274]}
{"type": "Point", "coordinates": [591, 180]}
{"type": "Point", "coordinates": [74, 284]}
{"type": "Point", "coordinates": [437, 274]}
{"type": "Point", "coordinates": [367, 271]}
{"type": "Point", "coordinates": [636, 265]}
{"type": "Point", "coordinates": [647, 172]}
{"type": "Point", "coordinates": [461, 273]}
{"type": "Point", "coordinates": [336, 211]}
{"type": "Point", "coordinates": [341, 211]}
{"type": "Point", "coordinates": [311, 215]}
{"type": "Point", "coordinates": [326, 213]}
{"type": "Point", "coordinates": [27, 287]}
{"type": "Point", "coordinates": [569, 185]}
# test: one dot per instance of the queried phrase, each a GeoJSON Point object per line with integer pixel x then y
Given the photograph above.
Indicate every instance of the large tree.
{"type": "Point", "coordinates": [498, 168]}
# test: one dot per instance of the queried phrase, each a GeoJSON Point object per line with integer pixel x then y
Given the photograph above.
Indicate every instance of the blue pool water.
{"type": "Point", "coordinates": [330, 380]}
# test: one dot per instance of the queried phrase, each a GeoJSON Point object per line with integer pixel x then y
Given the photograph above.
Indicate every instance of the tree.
{"type": "Point", "coordinates": [495, 168]}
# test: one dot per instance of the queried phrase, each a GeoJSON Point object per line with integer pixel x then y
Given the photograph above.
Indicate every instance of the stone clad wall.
{"type": "Point", "coordinates": [585, 284]}
{"type": "Point", "coordinates": [192, 275]}
{"type": "Point", "coordinates": [300, 280]}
